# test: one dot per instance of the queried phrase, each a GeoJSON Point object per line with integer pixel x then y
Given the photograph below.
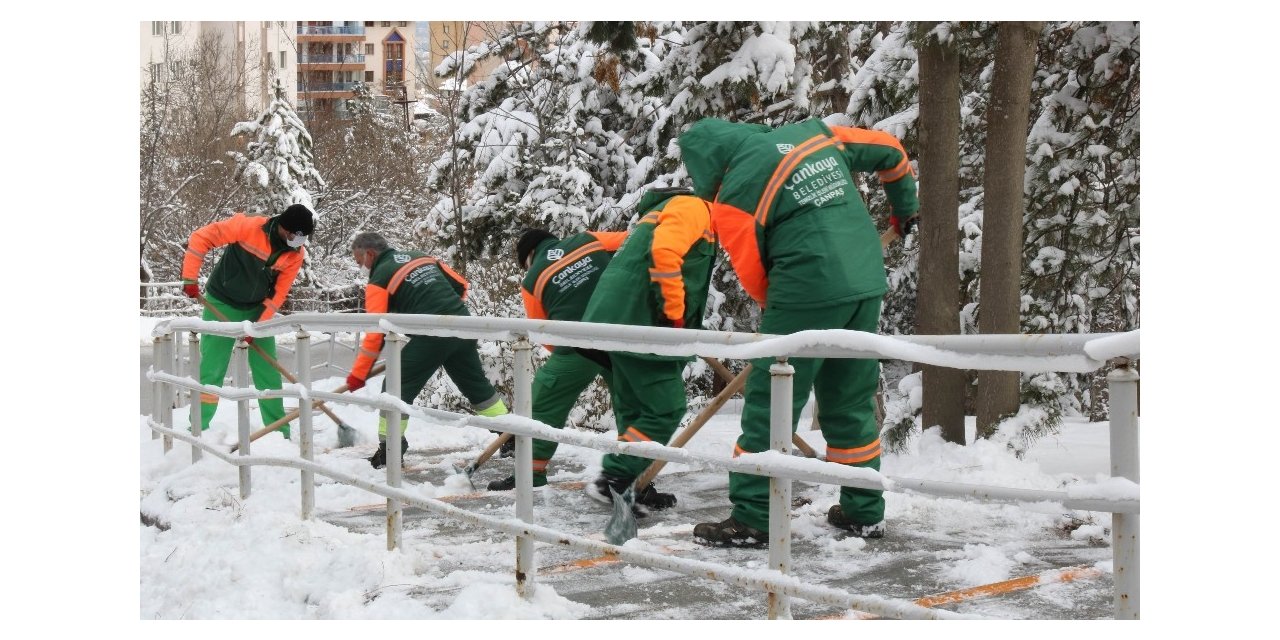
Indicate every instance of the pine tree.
{"type": "Point", "coordinates": [278, 166]}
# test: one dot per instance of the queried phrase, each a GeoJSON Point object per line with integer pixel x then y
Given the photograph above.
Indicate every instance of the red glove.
{"type": "Point", "coordinates": [354, 383]}
{"type": "Point", "coordinates": [678, 323]}
{"type": "Point", "coordinates": [903, 226]}
{"type": "Point", "coordinates": [191, 289]}
{"type": "Point", "coordinates": [248, 339]}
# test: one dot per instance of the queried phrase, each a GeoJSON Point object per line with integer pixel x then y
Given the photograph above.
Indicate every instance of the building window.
{"type": "Point", "coordinates": [386, 23]}
{"type": "Point", "coordinates": [157, 72]}
{"type": "Point", "coordinates": [368, 23]}
{"type": "Point", "coordinates": [368, 48]}
{"type": "Point", "coordinates": [157, 28]}
{"type": "Point", "coordinates": [175, 69]}
{"type": "Point", "coordinates": [368, 77]}
{"type": "Point", "coordinates": [404, 23]}
{"type": "Point", "coordinates": [177, 27]}
{"type": "Point", "coordinates": [283, 59]}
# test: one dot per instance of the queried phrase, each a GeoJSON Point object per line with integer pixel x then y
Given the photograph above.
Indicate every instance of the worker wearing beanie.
{"type": "Point", "coordinates": [250, 282]}
{"type": "Point", "coordinates": [561, 276]}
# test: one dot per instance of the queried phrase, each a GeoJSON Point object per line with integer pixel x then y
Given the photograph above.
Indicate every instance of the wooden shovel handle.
{"type": "Point", "coordinates": [296, 412]}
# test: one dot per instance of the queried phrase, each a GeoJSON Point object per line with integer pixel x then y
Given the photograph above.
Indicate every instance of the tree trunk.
{"type": "Point", "coordinates": [938, 300]}
{"type": "Point", "coordinates": [1006, 161]}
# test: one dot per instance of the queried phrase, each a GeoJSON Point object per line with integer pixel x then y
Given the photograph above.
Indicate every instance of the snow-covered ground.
{"type": "Point", "coordinates": [207, 554]}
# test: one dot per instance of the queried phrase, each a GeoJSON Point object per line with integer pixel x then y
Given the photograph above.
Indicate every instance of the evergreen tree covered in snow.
{"type": "Point", "coordinates": [278, 165]}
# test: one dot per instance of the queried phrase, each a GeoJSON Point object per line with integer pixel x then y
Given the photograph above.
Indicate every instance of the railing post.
{"type": "Point", "coordinates": [193, 347]}
{"type": "Point", "coordinates": [523, 400]}
{"type": "Point", "coordinates": [1122, 388]}
{"type": "Point", "coordinates": [167, 391]}
{"type": "Point", "coordinates": [155, 386]}
{"type": "Point", "coordinates": [241, 380]}
{"type": "Point", "coordinates": [176, 349]}
{"type": "Point", "coordinates": [305, 442]}
{"type": "Point", "coordinates": [395, 509]}
{"type": "Point", "coordinates": [781, 381]}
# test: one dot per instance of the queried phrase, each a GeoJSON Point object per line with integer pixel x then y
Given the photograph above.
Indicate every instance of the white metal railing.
{"type": "Point", "coordinates": [1026, 353]}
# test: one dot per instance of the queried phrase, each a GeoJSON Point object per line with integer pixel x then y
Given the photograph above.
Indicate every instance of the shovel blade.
{"type": "Point", "coordinates": [622, 526]}
{"type": "Point", "coordinates": [346, 436]}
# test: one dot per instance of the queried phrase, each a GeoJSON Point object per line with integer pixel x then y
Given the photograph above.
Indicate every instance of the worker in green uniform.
{"type": "Point", "coordinates": [658, 277]}
{"type": "Point", "coordinates": [250, 282]}
{"type": "Point", "coordinates": [413, 282]}
{"type": "Point", "coordinates": [560, 278]}
{"type": "Point", "coordinates": [786, 207]}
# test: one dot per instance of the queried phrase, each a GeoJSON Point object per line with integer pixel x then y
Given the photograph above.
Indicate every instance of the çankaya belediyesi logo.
{"type": "Point", "coordinates": [785, 147]}
{"type": "Point", "coordinates": [555, 254]}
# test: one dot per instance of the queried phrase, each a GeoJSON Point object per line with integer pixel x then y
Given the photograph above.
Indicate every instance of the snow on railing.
{"type": "Point", "coordinates": [1025, 353]}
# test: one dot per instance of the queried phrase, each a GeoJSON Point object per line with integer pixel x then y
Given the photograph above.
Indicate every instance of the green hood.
{"type": "Point", "coordinates": [707, 148]}
{"type": "Point", "coordinates": [654, 198]}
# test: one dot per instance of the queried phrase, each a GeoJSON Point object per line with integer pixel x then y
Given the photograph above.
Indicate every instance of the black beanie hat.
{"type": "Point", "coordinates": [530, 241]}
{"type": "Point", "coordinates": [297, 218]}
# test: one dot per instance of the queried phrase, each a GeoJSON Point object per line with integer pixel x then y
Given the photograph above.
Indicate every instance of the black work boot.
{"type": "Point", "coordinates": [836, 517]}
{"type": "Point", "coordinates": [599, 488]}
{"type": "Point", "coordinates": [508, 448]}
{"type": "Point", "coordinates": [379, 458]}
{"type": "Point", "coordinates": [729, 533]}
{"type": "Point", "coordinates": [650, 497]}
{"type": "Point", "coordinates": [509, 483]}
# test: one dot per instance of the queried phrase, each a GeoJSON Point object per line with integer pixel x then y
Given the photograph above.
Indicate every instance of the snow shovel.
{"type": "Point", "coordinates": [296, 412]}
{"type": "Point", "coordinates": [727, 375]}
{"type": "Point", "coordinates": [484, 457]}
{"type": "Point", "coordinates": [346, 435]}
{"type": "Point", "coordinates": [622, 526]}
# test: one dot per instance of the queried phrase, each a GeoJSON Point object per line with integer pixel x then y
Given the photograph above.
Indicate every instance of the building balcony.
{"type": "Point", "coordinates": [345, 30]}
{"type": "Point", "coordinates": [331, 58]}
{"type": "Point", "coordinates": [328, 89]}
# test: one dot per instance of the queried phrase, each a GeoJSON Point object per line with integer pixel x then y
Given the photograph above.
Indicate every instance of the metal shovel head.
{"type": "Point", "coordinates": [466, 471]}
{"type": "Point", "coordinates": [346, 436]}
{"type": "Point", "coordinates": [622, 526]}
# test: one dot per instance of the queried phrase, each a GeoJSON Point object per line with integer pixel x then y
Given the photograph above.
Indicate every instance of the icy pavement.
{"type": "Point", "coordinates": [205, 553]}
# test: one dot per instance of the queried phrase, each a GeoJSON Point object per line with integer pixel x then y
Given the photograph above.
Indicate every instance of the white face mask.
{"type": "Point", "coordinates": [364, 271]}
{"type": "Point", "coordinates": [297, 240]}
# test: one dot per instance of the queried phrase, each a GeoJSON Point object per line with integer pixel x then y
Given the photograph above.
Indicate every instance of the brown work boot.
{"type": "Point", "coordinates": [729, 533]}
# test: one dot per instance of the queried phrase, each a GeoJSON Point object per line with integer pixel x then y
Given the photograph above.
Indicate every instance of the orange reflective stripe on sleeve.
{"type": "Point", "coordinates": [540, 466]}
{"type": "Point", "coordinates": [208, 398]}
{"type": "Point", "coordinates": [854, 135]}
{"type": "Point", "coordinates": [610, 240]}
{"type": "Point", "coordinates": [681, 224]}
{"type": "Point", "coordinates": [854, 455]}
{"type": "Point", "coordinates": [369, 350]}
{"type": "Point", "coordinates": [784, 170]}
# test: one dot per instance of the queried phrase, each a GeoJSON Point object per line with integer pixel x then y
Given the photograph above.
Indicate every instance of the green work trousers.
{"type": "Point", "coordinates": [845, 391]}
{"type": "Point", "coordinates": [556, 389]}
{"type": "Point", "coordinates": [649, 400]}
{"type": "Point", "coordinates": [422, 356]}
{"type": "Point", "coordinates": [215, 357]}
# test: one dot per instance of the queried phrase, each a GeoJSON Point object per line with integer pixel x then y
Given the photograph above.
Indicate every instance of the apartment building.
{"type": "Point", "coordinates": [335, 55]}
{"type": "Point", "coordinates": [252, 53]}
{"type": "Point", "coordinates": [319, 61]}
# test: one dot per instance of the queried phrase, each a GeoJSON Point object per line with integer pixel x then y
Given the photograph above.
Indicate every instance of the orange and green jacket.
{"type": "Point", "coordinates": [408, 282]}
{"type": "Point", "coordinates": [788, 210]}
{"type": "Point", "coordinates": [564, 274]}
{"type": "Point", "coordinates": [663, 269]}
{"type": "Point", "coordinates": [257, 268]}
